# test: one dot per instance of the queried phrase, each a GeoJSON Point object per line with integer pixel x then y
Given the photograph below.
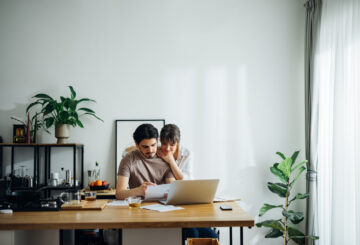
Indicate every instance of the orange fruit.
{"type": "Point", "coordinates": [92, 183]}
{"type": "Point", "coordinates": [98, 183]}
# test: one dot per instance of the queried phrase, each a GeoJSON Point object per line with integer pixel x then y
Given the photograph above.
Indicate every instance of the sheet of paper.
{"type": "Point", "coordinates": [161, 208]}
{"type": "Point", "coordinates": [118, 203]}
{"type": "Point", "coordinates": [226, 199]}
{"type": "Point", "coordinates": [156, 192]}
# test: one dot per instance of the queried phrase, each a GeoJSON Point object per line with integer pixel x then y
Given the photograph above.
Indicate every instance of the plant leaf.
{"type": "Point", "coordinates": [49, 122]}
{"type": "Point", "coordinates": [85, 99]}
{"type": "Point", "coordinates": [294, 156]}
{"type": "Point", "coordinates": [296, 235]}
{"type": "Point", "coordinates": [31, 105]}
{"type": "Point", "coordinates": [266, 207]}
{"type": "Point", "coordinates": [86, 109]}
{"type": "Point", "coordinates": [295, 217]}
{"type": "Point", "coordinates": [73, 93]}
{"type": "Point", "coordinates": [274, 169]}
{"type": "Point", "coordinates": [274, 233]}
{"type": "Point", "coordinates": [91, 114]}
{"type": "Point", "coordinates": [281, 155]}
{"type": "Point", "coordinates": [298, 165]}
{"type": "Point", "coordinates": [278, 188]}
{"type": "Point", "coordinates": [285, 167]}
{"type": "Point", "coordinates": [297, 176]}
{"type": "Point", "coordinates": [275, 224]}
{"type": "Point", "coordinates": [79, 123]}
{"type": "Point", "coordinates": [43, 96]}
{"type": "Point", "coordinates": [300, 196]}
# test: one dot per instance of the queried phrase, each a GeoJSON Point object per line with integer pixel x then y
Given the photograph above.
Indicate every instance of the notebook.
{"type": "Point", "coordinates": [191, 191]}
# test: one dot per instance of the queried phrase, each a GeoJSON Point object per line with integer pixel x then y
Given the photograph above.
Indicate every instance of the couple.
{"type": "Point", "coordinates": [148, 165]}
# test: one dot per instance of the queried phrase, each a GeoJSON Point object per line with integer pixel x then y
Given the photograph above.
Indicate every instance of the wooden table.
{"type": "Point", "coordinates": [200, 215]}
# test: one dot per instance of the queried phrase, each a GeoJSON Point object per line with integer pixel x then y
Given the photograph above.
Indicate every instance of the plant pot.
{"type": "Point", "coordinates": [62, 133]}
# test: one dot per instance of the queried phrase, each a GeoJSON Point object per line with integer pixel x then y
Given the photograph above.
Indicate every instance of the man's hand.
{"type": "Point", "coordinates": [169, 157]}
{"type": "Point", "coordinates": [142, 188]}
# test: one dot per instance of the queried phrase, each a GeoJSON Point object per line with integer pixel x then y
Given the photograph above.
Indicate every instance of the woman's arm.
{"type": "Point", "coordinates": [169, 158]}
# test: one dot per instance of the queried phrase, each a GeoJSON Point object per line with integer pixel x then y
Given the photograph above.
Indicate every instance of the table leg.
{"type": "Point", "coordinates": [230, 239]}
{"type": "Point", "coordinates": [241, 236]}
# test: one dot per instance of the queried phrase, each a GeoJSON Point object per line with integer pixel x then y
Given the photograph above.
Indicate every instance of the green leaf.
{"type": "Point", "coordinates": [285, 167]}
{"type": "Point", "coordinates": [300, 196]}
{"type": "Point", "coordinates": [278, 188]}
{"type": "Point", "coordinates": [91, 114]}
{"type": "Point", "coordinates": [281, 155]}
{"type": "Point", "coordinates": [274, 169]}
{"type": "Point", "coordinates": [275, 224]}
{"type": "Point", "coordinates": [312, 237]}
{"type": "Point", "coordinates": [31, 105]}
{"type": "Point", "coordinates": [294, 156]}
{"type": "Point", "coordinates": [79, 123]}
{"type": "Point", "coordinates": [274, 233]}
{"type": "Point", "coordinates": [48, 108]}
{"type": "Point", "coordinates": [298, 165]}
{"type": "Point", "coordinates": [73, 93]}
{"type": "Point", "coordinates": [84, 99]}
{"type": "Point", "coordinates": [295, 217]}
{"type": "Point", "coordinates": [296, 235]}
{"type": "Point", "coordinates": [86, 109]}
{"type": "Point", "coordinates": [266, 207]}
{"type": "Point", "coordinates": [43, 96]}
{"type": "Point", "coordinates": [49, 122]}
{"type": "Point", "coordinates": [297, 176]}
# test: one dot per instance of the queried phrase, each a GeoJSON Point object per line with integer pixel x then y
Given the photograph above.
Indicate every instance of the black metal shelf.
{"type": "Point", "coordinates": [47, 161]}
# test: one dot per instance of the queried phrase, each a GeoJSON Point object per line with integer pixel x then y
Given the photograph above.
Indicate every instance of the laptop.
{"type": "Point", "coordinates": [191, 191]}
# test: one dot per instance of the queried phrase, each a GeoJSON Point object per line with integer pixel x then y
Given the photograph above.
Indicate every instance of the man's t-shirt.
{"type": "Point", "coordinates": [140, 169]}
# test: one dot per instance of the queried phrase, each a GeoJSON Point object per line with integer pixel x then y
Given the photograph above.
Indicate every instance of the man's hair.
{"type": "Point", "coordinates": [170, 133]}
{"type": "Point", "coordinates": [145, 131]}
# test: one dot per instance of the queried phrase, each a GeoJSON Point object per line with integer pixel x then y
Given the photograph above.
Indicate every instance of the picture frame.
{"type": "Point", "coordinates": [124, 129]}
{"type": "Point", "coordinates": [19, 133]}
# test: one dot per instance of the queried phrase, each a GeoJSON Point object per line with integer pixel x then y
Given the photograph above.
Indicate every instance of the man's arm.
{"type": "Point", "coordinates": [169, 180]}
{"type": "Point", "coordinates": [123, 192]}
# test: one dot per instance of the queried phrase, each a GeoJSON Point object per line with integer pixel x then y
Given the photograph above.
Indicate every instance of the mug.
{"type": "Point", "coordinates": [70, 197]}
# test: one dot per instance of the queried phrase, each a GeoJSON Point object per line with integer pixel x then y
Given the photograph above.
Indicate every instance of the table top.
{"type": "Point", "coordinates": [199, 215]}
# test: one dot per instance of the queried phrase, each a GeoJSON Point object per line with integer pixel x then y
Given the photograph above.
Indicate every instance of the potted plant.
{"type": "Point", "coordinates": [63, 113]}
{"type": "Point", "coordinates": [281, 227]}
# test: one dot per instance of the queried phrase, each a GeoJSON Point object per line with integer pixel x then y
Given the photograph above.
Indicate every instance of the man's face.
{"type": "Point", "coordinates": [148, 147]}
{"type": "Point", "coordinates": [167, 147]}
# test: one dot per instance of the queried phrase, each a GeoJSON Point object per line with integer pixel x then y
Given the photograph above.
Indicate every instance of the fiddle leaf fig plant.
{"type": "Point", "coordinates": [65, 111]}
{"type": "Point", "coordinates": [288, 173]}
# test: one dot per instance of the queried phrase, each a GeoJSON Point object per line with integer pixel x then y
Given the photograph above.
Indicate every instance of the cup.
{"type": "Point", "coordinates": [71, 198]}
{"type": "Point", "coordinates": [90, 195]}
{"type": "Point", "coordinates": [133, 202]}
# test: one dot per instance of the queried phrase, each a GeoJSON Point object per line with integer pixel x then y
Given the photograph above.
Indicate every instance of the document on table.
{"type": "Point", "coordinates": [118, 203]}
{"type": "Point", "coordinates": [161, 208]}
{"type": "Point", "coordinates": [156, 192]}
{"type": "Point", "coordinates": [226, 199]}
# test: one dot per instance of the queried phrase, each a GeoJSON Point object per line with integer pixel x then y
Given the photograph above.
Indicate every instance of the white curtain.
{"type": "Point", "coordinates": [337, 109]}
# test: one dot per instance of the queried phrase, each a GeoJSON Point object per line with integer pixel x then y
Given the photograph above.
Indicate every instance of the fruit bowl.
{"type": "Point", "coordinates": [98, 188]}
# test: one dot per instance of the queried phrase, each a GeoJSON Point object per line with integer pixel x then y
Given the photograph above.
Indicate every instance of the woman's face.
{"type": "Point", "coordinates": [167, 147]}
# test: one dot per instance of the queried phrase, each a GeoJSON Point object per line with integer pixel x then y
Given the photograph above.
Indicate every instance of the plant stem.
{"type": "Point", "coordinates": [285, 223]}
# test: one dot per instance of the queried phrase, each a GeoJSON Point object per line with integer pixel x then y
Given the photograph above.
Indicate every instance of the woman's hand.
{"type": "Point", "coordinates": [169, 157]}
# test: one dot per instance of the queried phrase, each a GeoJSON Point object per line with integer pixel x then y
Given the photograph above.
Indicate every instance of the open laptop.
{"type": "Point", "coordinates": [191, 191]}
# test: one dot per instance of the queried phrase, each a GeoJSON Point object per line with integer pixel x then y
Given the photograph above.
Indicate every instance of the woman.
{"type": "Point", "coordinates": [179, 158]}
{"type": "Point", "coordinates": [180, 161]}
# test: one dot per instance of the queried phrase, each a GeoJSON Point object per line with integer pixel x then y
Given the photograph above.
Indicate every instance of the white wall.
{"type": "Point", "coordinates": [229, 73]}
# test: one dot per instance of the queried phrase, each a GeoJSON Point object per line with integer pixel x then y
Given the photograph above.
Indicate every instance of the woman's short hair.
{"type": "Point", "coordinates": [170, 133]}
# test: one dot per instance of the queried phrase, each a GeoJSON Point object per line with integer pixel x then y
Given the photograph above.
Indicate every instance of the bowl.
{"type": "Point", "coordinates": [98, 188]}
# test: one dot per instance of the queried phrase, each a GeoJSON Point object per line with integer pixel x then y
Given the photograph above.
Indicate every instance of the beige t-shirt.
{"type": "Point", "coordinates": [140, 169]}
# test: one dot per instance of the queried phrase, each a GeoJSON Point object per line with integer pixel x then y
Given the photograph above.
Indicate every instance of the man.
{"type": "Point", "coordinates": [142, 167]}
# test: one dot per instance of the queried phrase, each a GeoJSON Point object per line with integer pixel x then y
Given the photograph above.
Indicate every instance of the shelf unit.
{"type": "Point", "coordinates": [77, 149]}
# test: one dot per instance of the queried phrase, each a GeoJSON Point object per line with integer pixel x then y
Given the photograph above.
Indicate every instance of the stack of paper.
{"type": "Point", "coordinates": [156, 192]}
{"type": "Point", "coordinates": [161, 208]}
{"type": "Point", "coordinates": [118, 203]}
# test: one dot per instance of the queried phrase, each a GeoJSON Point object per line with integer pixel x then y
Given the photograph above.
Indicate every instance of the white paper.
{"type": "Point", "coordinates": [226, 199]}
{"type": "Point", "coordinates": [161, 208]}
{"type": "Point", "coordinates": [118, 203]}
{"type": "Point", "coordinates": [156, 192]}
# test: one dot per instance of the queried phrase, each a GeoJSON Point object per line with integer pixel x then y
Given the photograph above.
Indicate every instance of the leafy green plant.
{"type": "Point", "coordinates": [288, 173]}
{"type": "Point", "coordinates": [65, 111]}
